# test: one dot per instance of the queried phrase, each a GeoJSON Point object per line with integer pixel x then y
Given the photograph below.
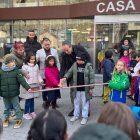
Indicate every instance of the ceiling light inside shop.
{"type": "Point", "coordinates": [88, 39]}
{"type": "Point", "coordinates": [85, 32]}
{"type": "Point", "coordinates": [88, 29]}
{"type": "Point", "coordinates": [71, 29]}
{"type": "Point", "coordinates": [75, 31]}
{"type": "Point", "coordinates": [61, 1]}
{"type": "Point", "coordinates": [3, 34]}
{"type": "Point", "coordinates": [128, 36]}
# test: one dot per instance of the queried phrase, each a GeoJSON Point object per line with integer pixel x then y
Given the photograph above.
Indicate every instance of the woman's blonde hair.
{"type": "Point", "coordinates": [124, 70]}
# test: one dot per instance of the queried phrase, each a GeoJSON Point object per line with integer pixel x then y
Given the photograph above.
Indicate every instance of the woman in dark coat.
{"type": "Point", "coordinates": [125, 44]}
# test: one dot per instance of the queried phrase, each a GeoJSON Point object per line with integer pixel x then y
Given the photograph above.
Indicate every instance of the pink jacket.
{"type": "Point", "coordinates": [126, 60]}
{"type": "Point", "coordinates": [51, 76]}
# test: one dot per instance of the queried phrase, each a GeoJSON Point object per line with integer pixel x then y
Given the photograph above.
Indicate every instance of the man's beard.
{"type": "Point", "coordinates": [31, 39]}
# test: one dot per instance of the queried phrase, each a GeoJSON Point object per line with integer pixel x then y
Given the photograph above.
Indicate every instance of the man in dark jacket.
{"type": "Point", "coordinates": [68, 58]}
{"type": "Point", "coordinates": [31, 44]}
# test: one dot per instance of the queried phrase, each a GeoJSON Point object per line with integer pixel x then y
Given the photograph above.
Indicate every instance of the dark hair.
{"type": "Point", "coordinates": [125, 51]}
{"type": "Point", "coordinates": [28, 57]}
{"type": "Point", "coordinates": [108, 54]}
{"type": "Point", "coordinates": [129, 42]}
{"type": "Point", "coordinates": [48, 125]}
{"type": "Point", "coordinates": [120, 116]}
{"type": "Point", "coordinates": [31, 30]}
{"type": "Point", "coordinates": [48, 59]}
{"type": "Point", "coordinates": [134, 55]}
{"type": "Point", "coordinates": [1, 128]}
{"type": "Point", "coordinates": [138, 55]}
{"type": "Point", "coordinates": [97, 131]}
{"type": "Point", "coordinates": [66, 42]}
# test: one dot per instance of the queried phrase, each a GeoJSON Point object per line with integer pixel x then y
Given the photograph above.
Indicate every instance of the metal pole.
{"type": "Point", "coordinates": [94, 48]}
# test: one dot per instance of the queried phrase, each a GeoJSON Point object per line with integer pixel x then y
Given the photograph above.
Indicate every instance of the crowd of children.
{"type": "Point", "coordinates": [120, 78]}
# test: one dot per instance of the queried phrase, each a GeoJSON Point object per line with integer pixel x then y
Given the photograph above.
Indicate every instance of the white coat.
{"type": "Point", "coordinates": [41, 56]}
{"type": "Point", "coordinates": [34, 81]}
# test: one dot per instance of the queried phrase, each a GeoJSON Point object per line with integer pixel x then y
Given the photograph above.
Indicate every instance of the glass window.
{"type": "Point", "coordinates": [80, 31]}
{"type": "Point", "coordinates": [25, 3]}
{"type": "Point", "coordinates": [77, 31]}
{"type": "Point", "coordinates": [4, 35]}
{"type": "Point", "coordinates": [109, 35]}
{"type": "Point", "coordinates": [21, 27]}
{"type": "Point", "coordinates": [6, 3]}
{"type": "Point", "coordinates": [34, 3]}
{"type": "Point", "coordinates": [134, 33]}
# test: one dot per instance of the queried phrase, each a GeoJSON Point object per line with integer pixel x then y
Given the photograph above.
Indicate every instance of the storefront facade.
{"type": "Point", "coordinates": [85, 22]}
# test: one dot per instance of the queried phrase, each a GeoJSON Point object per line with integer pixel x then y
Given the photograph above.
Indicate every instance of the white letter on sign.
{"type": "Point", "coordinates": [98, 8]}
{"type": "Point", "coordinates": [110, 7]}
{"type": "Point", "coordinates": [130, 5]}
{"type": "Point", "coordinates": [120, 5]}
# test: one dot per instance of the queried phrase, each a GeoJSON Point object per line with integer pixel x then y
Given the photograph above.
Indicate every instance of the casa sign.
{"type": "Point", "coordinates": [118, 6]}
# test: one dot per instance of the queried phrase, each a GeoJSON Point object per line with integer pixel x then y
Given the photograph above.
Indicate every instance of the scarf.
{"type": "Point", "coordinates": [5, 67]}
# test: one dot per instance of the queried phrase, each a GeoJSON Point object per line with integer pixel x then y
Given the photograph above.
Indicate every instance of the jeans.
{"type": "Point", "coordinates": [14, 101]}
{"type": "Point", "coordinates": [29, 106]}
{"type": "Point", "coordinates": [81, 98]}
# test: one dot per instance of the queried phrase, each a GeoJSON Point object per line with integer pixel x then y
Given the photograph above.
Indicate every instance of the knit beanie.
{"type": "Point", "coordinates": [7, 58]}
{"type": "Point", "coordinates": [81, 56]}
{"type": "Point", "coordinates": [99, 132]}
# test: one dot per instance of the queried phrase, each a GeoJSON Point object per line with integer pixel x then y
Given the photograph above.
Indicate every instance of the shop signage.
{"type": "Point", "coordinates": [115, 6]}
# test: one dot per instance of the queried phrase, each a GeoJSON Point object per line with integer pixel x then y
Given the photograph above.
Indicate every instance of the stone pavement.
{"type": "Point", "coordinates": [65, 106]}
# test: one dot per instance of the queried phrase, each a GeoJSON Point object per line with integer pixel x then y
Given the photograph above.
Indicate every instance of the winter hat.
{"type": "Point", "coordinates": [99, 132]}
{"type": "Point", "coordinates": [19, 45]}
{"type": "Point", "coordinates": [81, 56]}
{"type": "Point", "coordinates": [7, 58]}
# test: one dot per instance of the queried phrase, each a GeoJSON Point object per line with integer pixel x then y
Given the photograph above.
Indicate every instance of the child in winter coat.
{"type": "Point", "coordinates": [81, 73]}
{"type": "Point", "coordinates": [34, 80]}
{"type": "Point", "coordinates": [125, 58]}
{"type": "Point", "coordinates": [52, 80]}
{"type": "Point", "coordinates": [10, 80]}
{"type": "Point", "coordinates": [119, 83]}
{"type": "Point", "coordinates": [108, 65]}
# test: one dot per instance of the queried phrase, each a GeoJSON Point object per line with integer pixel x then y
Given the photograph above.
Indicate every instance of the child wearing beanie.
{"type": "Point", "coordinates": [10, 80]}
{"type": "Point", "coordinates": [81, 73]}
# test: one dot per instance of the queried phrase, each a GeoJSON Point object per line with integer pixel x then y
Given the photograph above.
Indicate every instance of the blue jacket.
{"type": "Point", "coordinates": [108, 65]}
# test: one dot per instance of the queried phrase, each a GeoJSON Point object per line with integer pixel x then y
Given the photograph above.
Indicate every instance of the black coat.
{"type": "Point", "coordinates": [68, 60]}
{"type": "Point", "coordinates": [33, 46]}
{"type": "Point", "coordinates": [108, 66]}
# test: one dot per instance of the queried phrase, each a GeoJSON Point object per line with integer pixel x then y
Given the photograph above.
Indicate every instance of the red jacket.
{"type": "Point", "coordinates": [51, 76]}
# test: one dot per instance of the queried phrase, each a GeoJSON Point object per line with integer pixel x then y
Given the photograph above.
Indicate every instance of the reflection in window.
{"type": "Point", "coordinates": [80, 29]}
{"type": "Point", "coordinates": [25, 3]}
{"type": "Point", "coordinates": [34, 3]}
{"type": "Point", "coordinates": [4, 36]}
